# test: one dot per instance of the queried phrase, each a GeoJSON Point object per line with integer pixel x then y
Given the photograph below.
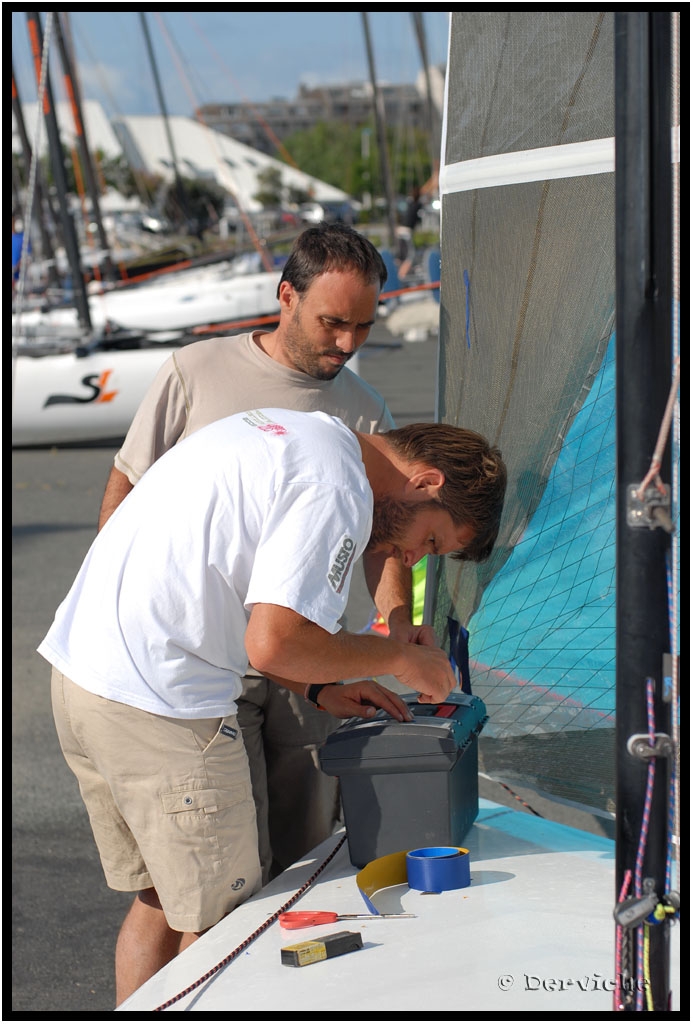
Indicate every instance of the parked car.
{"type": "Point", "coordinates": [329, 211]}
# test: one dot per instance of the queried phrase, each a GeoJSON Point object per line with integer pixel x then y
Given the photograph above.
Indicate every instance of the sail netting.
{"type": "Point", "coordinates": [527, 359]}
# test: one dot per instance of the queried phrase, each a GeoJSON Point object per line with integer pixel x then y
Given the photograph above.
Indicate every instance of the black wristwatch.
{"type": "Point", "coordinates": [312, 691]}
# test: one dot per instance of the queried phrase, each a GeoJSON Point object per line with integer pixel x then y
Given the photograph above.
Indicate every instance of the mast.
{"type": "Point", "coordinates": [643, 538]}
{"type": "Point", "coordinates": [381, 136]}
{"type": "Point", "coordinates": [69, 233]}
{"type": "Point", "coordinates": [72, 88]}
{"type": "Point", "coordinates": [434, 126]}
{"type": "Point", "coordinates": [162, 104]}
{"type": "Point", "coordinates": [41, 192]}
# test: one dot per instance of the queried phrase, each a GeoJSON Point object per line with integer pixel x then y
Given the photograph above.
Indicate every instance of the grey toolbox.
{"type": "Point", "coordinates": [406, 785]}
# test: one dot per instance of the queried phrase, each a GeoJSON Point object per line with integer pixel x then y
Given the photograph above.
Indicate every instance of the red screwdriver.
{"type": "Point", "coordinates": [307, 918]}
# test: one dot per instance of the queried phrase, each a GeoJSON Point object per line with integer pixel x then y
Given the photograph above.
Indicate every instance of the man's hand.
{"type": "Point", "coordinates": [362, 699]}
{"type": "Point", "coordinates": [428, 670]}
{"type": "Point", "coordinates": [433, 683]}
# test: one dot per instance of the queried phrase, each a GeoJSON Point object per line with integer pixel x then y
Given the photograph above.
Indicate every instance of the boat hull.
{"type": "Point", "coordinates": [68, 399]}
{"type": "Point", "coordinates": [531, 933]}
{"type": "Point", "coordinates": [178, 303]}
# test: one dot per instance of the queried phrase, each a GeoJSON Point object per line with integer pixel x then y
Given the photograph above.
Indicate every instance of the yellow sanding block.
{"type": "Point", "coordinates": [313, 950]}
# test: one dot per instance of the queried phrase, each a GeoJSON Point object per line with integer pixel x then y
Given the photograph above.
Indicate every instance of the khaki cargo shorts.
{"type": "Point", "coordinates": [169, 802]}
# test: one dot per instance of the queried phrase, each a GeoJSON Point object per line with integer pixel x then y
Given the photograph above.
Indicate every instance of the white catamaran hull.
{"type": "Point", "coordinates": [533, 933]}
{"type": "Point", "coordinates": [179, 303]}
{"type": "Point", "coordinates": [65, 398]}
{"type": "Point", "coordinates": [62, 398]}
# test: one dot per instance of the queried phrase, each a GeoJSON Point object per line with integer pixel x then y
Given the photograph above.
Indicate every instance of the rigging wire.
{"type": "Point", "coordinates": [256, 934]}
{"type": "Point", "coordinates": [641, 967]}
{"type": "Point", "coordinates": [674, 808]}
{"type": "Point", "coordinates": [519, 799]}
{"type": "Point", "coordinates": [638, 976]}
{"type": "Point", "coordinates": [258, 245]}
{"type": "Point", "coordinates": [145, 192]}
{"type": "Point", "coordinates": [618, 973]}
{"type": "Point", "coordinates": [68, 91]}
{"type": "Point", "coordinates": [676, 549]}
{"type": "Point", "coordinates": [652, 475]}
{"type": "Point", "coordinates": [31, 191]}
{"type": "Point", "coordinates": [271, 135]}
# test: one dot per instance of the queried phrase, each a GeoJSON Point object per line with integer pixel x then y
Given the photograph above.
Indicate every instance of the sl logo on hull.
{"type": "Point", "coordinates": [96, 382]}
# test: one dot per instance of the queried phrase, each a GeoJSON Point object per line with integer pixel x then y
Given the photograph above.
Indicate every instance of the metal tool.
{"type": "Point", "coordinates": [307, 918]}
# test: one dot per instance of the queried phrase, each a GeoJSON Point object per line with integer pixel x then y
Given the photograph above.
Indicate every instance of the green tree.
{"type": "Point", "coordinates": [330, 152]}
{"type": "Point", "coordinates": [117, 173]}
{"type": "Point", "coordinates": [200, 207]}
{"type": "Point", "coordinates": [269, 192]}
{"type": "Point", "coordinates": [335, 153]}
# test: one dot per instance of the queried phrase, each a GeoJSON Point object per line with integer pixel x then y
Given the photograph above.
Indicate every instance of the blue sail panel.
{"type": "Point", "coordinates": [547, 619]}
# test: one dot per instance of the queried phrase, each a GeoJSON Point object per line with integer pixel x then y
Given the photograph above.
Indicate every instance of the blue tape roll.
{"type": "Point", "coordinates": [438, 868]}
{"type": "Point", "coordinates": [431, 869]}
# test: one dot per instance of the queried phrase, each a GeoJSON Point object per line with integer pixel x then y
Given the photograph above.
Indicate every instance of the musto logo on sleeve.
{"type": "Point", "coordinates": [341, 564]}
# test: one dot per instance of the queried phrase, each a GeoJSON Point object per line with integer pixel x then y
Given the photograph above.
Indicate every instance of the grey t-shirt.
{"type": "Point", "coordinates": [208, 380]}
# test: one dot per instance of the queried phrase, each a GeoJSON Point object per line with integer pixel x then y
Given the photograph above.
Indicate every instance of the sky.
{"type": "Point", "coordinates": [207, 56]}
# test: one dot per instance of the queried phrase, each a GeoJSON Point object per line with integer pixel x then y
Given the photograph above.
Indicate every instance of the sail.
{"type": "Point", "coordinates": [526, 358]}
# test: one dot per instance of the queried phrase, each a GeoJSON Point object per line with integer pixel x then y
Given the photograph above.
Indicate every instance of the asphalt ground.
{"type": "Point", "coordinates": [64, 918]}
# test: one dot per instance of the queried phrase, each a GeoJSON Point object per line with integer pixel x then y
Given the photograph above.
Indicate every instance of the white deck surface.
{"type": "Point", "coordinates": [533, 931]}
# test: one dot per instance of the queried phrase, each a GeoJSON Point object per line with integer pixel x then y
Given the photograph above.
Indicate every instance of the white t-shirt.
{"type": "Point", "coordinates": [270, 506]}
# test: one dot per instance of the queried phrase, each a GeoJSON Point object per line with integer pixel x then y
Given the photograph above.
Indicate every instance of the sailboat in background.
{"type": "Point", "coordinates": [81, 368]}
{"type": "Point", "coordinates": [73, 359]}
{"type": "Point", "coordinates": [559, 129]}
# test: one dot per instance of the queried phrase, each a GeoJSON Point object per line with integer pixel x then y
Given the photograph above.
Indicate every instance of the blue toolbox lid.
{"type": "Point", "coordinates": [434, 740]}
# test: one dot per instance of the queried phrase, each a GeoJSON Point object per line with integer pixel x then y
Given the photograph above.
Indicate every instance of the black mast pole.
{"type": "Point", "coordinates": [69, 233]}
{"type": "Point", "coordinates": [41, 193]}
{"type": "Point", "coordinates": [379, 115]}
{"type": "Point", "coordinates": [83, 144]}
{"type": "Point", "coordinates": [434, 127]}
{"type": "Point", "coordinates": [643, 381]}
{"type": "Point", "coordinates": [162, 104]}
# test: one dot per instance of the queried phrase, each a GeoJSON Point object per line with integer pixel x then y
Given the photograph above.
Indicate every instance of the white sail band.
{"type": "Point", "coordinates": [571, 160]}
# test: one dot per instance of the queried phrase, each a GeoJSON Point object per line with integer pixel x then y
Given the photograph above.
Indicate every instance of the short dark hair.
{"type": "Point", "coordinates": [475, 478]}
{"type": "Point", "coordinates": [332, 247]}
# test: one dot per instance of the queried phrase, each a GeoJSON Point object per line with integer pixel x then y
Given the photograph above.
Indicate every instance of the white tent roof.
{"type": "Point", "coordinates": [111, 201]}
{"type": "Point", "coordinates": [202, 152]}
{"type": "Point", "coordinates": [99, 132]}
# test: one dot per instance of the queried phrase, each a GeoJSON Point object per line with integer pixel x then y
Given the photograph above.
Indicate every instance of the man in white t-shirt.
{"type": "Point", "coordinates": [238, 545]}
{"type": "Point", "coordinates": [328, 297]}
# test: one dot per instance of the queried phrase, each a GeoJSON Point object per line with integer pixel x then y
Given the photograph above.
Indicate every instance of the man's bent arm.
{"type": "Point", "coordinates": [117, 488]}
{"type": "Point", "coordinates": [280, 643]}
{"type": "Point", "coordinates": [390, 585]}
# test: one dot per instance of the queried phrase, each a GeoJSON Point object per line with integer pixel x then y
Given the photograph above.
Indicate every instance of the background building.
{"type": "Point", "coordinates": [260, 125]}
